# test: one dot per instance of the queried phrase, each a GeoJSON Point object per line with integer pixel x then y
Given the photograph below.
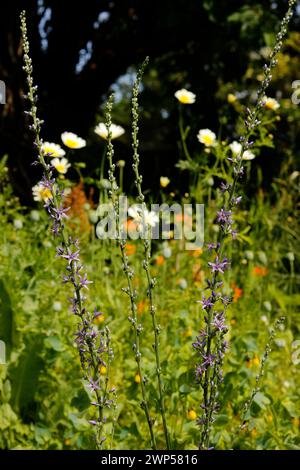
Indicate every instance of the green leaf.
{"type": "Point", "coordinates": [24, 377]}
{"type": "Point", "coordinates": [6, 318]}
{"type": "Point", "coordinates": [81, 401]}
{"type": "Point", "coordinates": [185, 388]}
{"type": "Point", "coordinates": [261, 400]}
{"type": "Point", "coordinates": [53, 342]}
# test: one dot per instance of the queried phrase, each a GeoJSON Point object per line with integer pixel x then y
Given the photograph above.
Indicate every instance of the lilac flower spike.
{"type": "Point", "coordinates": [219, 266]}
{"type": "Point", "coordinates": [93, 345]}
{"type": "Point", "coordinates": [210, 344]}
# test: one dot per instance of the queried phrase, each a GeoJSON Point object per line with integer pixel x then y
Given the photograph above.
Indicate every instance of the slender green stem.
{"type": "Point", "coordinates": [258, 378]}
{"type": "Point", "coordinates": [137, 328]}
{"type": "Point", "coordinates": [183, 135]}
{"type": "Point", "coordinates": [147, 248]}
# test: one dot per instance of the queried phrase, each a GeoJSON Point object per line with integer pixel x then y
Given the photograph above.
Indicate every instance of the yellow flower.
{"type": "Point", "coordinates": [72, 140]}
{"type": "Point", "coordinates": [185, 96]}
{"type": "Point", "coordinates": [207, 137]}
{"type": "Point", "coordinates": [188, 333]}
{"type": "Point", "coordinates": [99, 319]}
{"type": "Point", "coordinates": [137, 378]}
{"type": "Point", "coordinates": [192, 414]}
{"type": "Point", "coordinates": [53, 150]}
{"type": "Point", "coordinates": [67, 442]}
{"type": "Point", "coordinates": [116, 131]}
{"type": "Point", "coordinates": [270, 418]}
{"type": "Point", "coordinates": [231, 98]}
{"type": "Point", "coordinates": [255, 361]}
{"type": "Point", "coordinates": [164, 181]}
{"type": "Point", "coordinates": [40, 193]}
{"type": "Point", "coordinates": [271, 103]}
{"type": "Point", "coordinates": [102, 370]}
{"type": "Point", "coordinates": [61, 165]}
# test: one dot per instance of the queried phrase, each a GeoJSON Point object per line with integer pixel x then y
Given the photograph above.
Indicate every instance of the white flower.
{"type": "Point", "coordinates": [185, 96]}
{"type": "Point", "coordinates": [18, 224]}
{"type": "Point", "coordinates": [61, 165]}
{"type": "Point", "coordinates": [40, 193]}
{"type": "Point", "coordinates": [116, 131]}
{"type": "Point", "coordinates": [207, 137]}
{"type": "Point", "coordinates": [247, 155]}
{"type": "Point", "coordinates": [56, 306]}
{"type": "Point", "coordinates": [164, 181]}
{"type": "Point", "coordinates": [72, 140]}
{"type": "Point", "coordinates": [54, 150]}
{"type": "Point", "coordinates": [271, 103]}
{"type": "Point", "coordinates": [143, 217]}
{"type": "Point", "coordinates": [236, 148]}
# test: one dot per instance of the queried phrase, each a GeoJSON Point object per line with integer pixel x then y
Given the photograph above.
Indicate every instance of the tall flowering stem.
{"type": "Point", "coordinates": [94, 346]}
{"type": "Point", "coordinates": [147, 245]}
{"type": "Point", "coordinates": [210, 345]}
{"type": "Point", "coordinates": [129, 290]}
{"type": "Point", "coordinates": [261, 372]}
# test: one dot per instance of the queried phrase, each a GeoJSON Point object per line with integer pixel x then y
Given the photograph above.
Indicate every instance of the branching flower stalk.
{"type": "Point", "coordinates": [261, 372]}
{"type": "Point", "coordinates": [210, 345]}
{"type": "Point", "coordinates": [129, 290]}
{"type": "Point", "coordinates": [147, 245]}
{"type": "Point", "coordinates": [94, 346]}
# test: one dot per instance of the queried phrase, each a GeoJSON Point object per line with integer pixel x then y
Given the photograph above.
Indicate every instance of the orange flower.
{"type": "Point", "coordinates": [77, 200]}
{"type": "Point", "coordinates": [187, 219]}
{"type": "Point", "coordinates": [237, 293]}
{"type": "Point", "coordinates": [141, 307]}
{"type": "Point", "coordinates": [196, 253]}
{"type": "Point", "coordinates": [130, 225]}
{"type": "Point", "coordinates": [160, 260]}
{"type": "Point", "coordinates": [259, 271]}
{"type": "Point", "coordinates": [130, 249]}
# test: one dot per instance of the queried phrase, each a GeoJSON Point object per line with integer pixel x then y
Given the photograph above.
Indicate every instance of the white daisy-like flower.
{"type": "Point", "coordinates": [53, 150]}
{"type": "Point", "coordinates": [116, 131]}
{"type": "Point", "coordinates": [185, 97]}
{"type": "Point", "coordinates": [247, 155]}
{"type": "Point", "coordinates": [40, 193]}
{"type": "Point", "coordinates": [72, 140]}
{"type": "Point", "coordinates": [61, 165]}
{"type": "Point", "coordinates": [143, 217]}
{"type": "Point", "coordinates": [235, 148]}
{"type": "Point", "coordinates": [207, 137]}
{"type": "Point", "coordinates": [164, 181]}
{"type": "Point", "coordinates": [271, 103]}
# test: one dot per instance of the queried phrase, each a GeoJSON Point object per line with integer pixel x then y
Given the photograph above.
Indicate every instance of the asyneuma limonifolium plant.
{"type": "Point", "coordinates": [210, 344]}
{"type": "Point", "coordinates": [94, 346]}
{"type": "Point", "coordinates": [137, 327]}
{"type": "Point", "coordinates": [129, 273]}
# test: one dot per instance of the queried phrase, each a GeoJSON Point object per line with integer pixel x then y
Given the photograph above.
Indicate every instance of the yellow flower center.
{"type": "Point", "coordinates": [208, 140]}
{"type": "Point", "coordinates": [45, 193]}
{"type": "Point", "coordinates": [184, 99]}
{"type": "Point", "coordinates": [72, 144]}
{"type": "Point", "coordinates": [60, 167]}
